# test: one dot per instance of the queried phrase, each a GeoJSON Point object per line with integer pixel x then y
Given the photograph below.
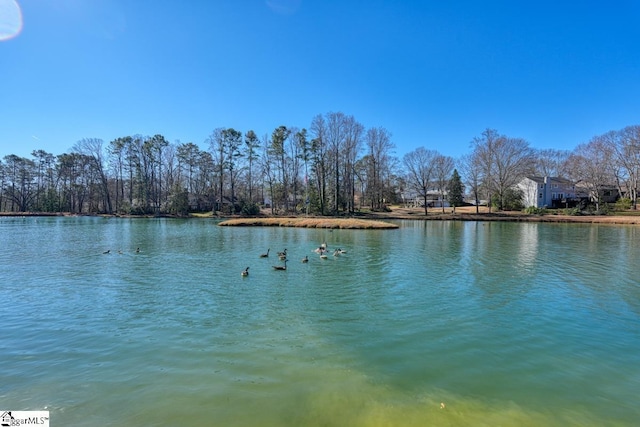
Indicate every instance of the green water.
{"type": "Point", "coordinates": [436, 323]}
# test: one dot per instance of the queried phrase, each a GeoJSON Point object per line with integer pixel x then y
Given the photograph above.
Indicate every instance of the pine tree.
{"type": "Point", "coordinates": [455, 190]}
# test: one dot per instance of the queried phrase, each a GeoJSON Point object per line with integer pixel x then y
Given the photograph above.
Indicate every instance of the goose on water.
{"type": "Point", "coordinates": [245, 272]}
{"type": "Point", "coordinates": [281, 267]}
{"type": "Point", "coordinates": [265, 255]}
{"type": "Point", "coordinates": [320, 249]}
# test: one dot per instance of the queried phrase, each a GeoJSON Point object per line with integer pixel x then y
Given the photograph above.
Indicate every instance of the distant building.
{"type": "Point", "coordinates": [608, 193]}
{"type": "Point", "coordinates": [412, 199]}
{"type": "Point", "coordinates": [548, 192]}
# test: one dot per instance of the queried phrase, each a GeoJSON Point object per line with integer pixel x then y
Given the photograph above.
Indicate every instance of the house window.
{"type": "Point", "coordinates": [553, 196]}
{"type": "Point", "coordinates": [555, 185]}
{"type": "Point", "coordinates": [541, 186]}
{"type": "Point", "coordinates": [540, 195]}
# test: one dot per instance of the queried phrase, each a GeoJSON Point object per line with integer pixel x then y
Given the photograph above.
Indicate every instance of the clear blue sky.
{"type": "Point", "coordinates": [434, 73]}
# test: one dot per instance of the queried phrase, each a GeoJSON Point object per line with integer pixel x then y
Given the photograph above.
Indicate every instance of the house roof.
{"type": "Point", "coordinates": [558, 180]}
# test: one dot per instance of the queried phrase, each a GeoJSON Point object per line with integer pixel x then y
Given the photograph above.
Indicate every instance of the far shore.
{"type": "Point", "coordinates": [377, 220]}
{"type": "Point", "coordinates": [468, 213]}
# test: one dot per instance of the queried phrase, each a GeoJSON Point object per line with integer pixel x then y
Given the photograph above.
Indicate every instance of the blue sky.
{"type": "Point", "coordinates": [434, 73]}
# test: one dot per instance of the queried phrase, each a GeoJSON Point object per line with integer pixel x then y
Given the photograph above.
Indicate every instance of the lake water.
{"type": "Point", "coordinates": [435, 323]}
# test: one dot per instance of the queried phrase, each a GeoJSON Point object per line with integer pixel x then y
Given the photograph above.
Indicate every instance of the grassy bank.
{"type": "Point", "coordinates": [343, 223]}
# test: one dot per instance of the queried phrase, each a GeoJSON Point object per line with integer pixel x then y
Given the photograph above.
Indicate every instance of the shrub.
{"type": "Point", "coordinates": [604, 209]}
{"type": "Point", "coordinates": [250, 209]}
{"type": "Point", "coordinates": [511, 201]}
{"type": "Point", "coordinates": [572, 211]}
{"type": "Point", "coordinates": [623, 204]}
{"type": "Point", "coordinates": [532, 210]}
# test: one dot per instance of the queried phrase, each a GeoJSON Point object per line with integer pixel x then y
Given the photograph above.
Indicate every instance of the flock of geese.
{"type": "Point", "coordinates": [322, 250]}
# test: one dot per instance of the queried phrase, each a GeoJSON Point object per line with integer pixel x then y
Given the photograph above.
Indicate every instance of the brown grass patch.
{"type": "Point", "coordinates": [343, 223]}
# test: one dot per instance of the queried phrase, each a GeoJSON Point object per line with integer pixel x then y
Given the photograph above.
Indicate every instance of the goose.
{"type": "Point", "coordinates": [305, 259]}
{"type": "Point", "coordinates": [245, 272]}
{"type": "Point", "coordinates": [281, 267]}
{"type": "Point", "coordinates": [320, 249]}
{"type": "Point", "coordinates": [265, 255]}
{"type": "Point", "coordinates": [336, 252]}
{"type": "Point", "coordinates": [283, 253]}
{"type": "Point", "coordinates": [107, 251]}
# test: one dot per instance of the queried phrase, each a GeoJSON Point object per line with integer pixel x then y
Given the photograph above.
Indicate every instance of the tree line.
{"type": "Point", "coordinates": [335, 167]}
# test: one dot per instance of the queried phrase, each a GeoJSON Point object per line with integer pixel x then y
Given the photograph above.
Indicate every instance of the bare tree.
{"type": "Point", "coordinates": [44, 162]}
{"type": "Point", "coordinates": [116, 154]}
{"type": "Point", "coordinates": [155, 147]}
{"type": "Point", "coordinates": [217, 149]}
{"type": "Point", "coordinates": [379, 146]}
{"type": "Point", "coordinates": [92, 147]}
{"type": "Point", "coordinates": [589, 165]}
{"type": "Point", "coordinates": [471, 169]}
{"type": "Point", "coordinates": [278, 151]}
{"type": "Point", "coordinates": [20, 176]}
{"type": "Point", "coordinates": [419, 165]}
{"type": "Point", "coordinates": [443, 167]}
{"type": "Point", "coordinates": [170, 165]}
{"type": "Point", "coordinates": [550, 162]}
{"type": "Point", "coordinates": [336, 136]}
{"type": "Point", "coordinates": [626, 148]}
{"type": "Point", "coordinates": [267, 164]}
{"type": "Point", "coordinates": [504, 162]}
{"type": "Point", "coordinates": [352, 147]}
{"type": "Point", "coordinates": [320, 160]}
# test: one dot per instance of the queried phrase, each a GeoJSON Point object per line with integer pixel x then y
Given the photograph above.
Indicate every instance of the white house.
{"type": "Point", "coordinates": [547, 192]}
